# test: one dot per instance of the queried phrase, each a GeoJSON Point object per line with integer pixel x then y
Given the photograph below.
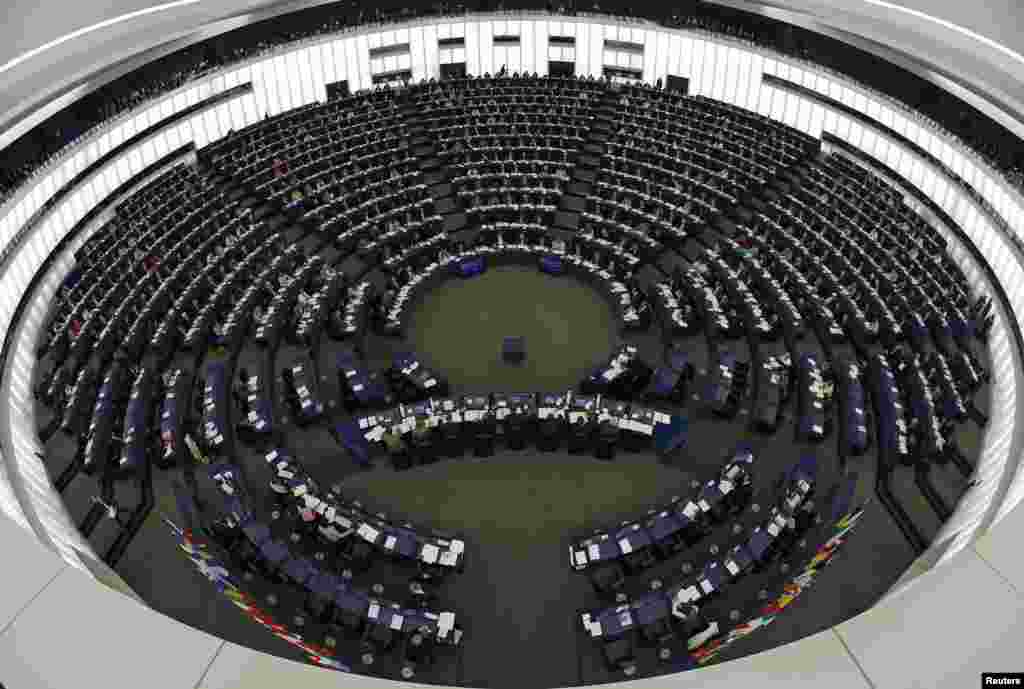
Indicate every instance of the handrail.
{"type": "Point", "coordinates": [72, 234]}
{"type": "Point", "coordinates": [967, 187]}
{"type": "Point", "coordinates": [106, 158]}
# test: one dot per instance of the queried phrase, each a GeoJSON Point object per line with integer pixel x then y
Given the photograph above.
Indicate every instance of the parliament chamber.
{"type": "Point", "coordinates": [501, 373]}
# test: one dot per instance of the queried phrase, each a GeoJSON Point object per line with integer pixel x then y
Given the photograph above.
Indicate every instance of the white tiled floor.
{"type": "Point", "coordinates": [954, 623]}
{"type": "Point", "coordinates": [81, 634]}
{"type": "Point", "coordinates": [1001, 548]}
{"type": "Point", "coordinates": [26, 573]}
{"type": "Point", "coordinates": [817, 661]}
{"type": "Point", "coordinates": [237, 667]}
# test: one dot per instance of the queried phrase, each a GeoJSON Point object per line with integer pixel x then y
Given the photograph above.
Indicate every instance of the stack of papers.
{"type": "Point", "coordinates": [445, 623]}
{"type": "Point", "coordinates": [686, 595]}
{"type": "Point", "coordinates": [429, 553]}
{"type": "Point", "coordinates": [368, 532]}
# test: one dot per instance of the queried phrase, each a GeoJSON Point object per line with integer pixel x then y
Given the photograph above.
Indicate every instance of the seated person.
{"type": "Point", "coordinates": [378, 639]}
{"type": "Point", "coordinates": [279, 487]}
{"type": "Point", "coordinates": [608, 579]}
{"type": "Point", "coordinates": [580, 434]}
{"type": "Point", "coordinates": [516, 429]}
{"type": "Point", "coordinates": [659, 633]}
{"type": "Point", "coordinates": [240, 389]}
{"type": "Point", "coordinates": [618, 655]}
{"type": "Point", "coordinates": [483, 437]}
{"type": "Point", "coordinates": [422, 442]}
{"type": "Point", "coordinates": [549, 434]}
{"type": "Point", "coordinates": [607, 439]}
{"type": "Point", "coordinates": [451, 434]}
{"type": "Point", "coordinates": [692, 626]}
{"type": "Point", "coordinates": [357, 553]}
{"type": "Point", "coordinates": [419, 648]}
{"type": "Point", "coordinates": [796, 526]}
{"type": "Point", "coordinates": [386, 302]}
{"type": "Point", "coordinates": [397, 450]}
{"type": "Point", "coordinates": [421, 595]}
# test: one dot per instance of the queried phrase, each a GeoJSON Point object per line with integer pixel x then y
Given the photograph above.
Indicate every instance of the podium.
{"type": "Point", "coordinates": [513, 350]}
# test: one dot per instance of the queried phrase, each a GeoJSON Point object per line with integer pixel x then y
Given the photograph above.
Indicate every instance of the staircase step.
{"type": "Point", "coordinates": [744, 215]}
{"type": "Point", "coordinates": [454, 222]}
{"type": "Point", "coordinates": [440, 191]}
{"type": "Point", "coordinates": [573, 204]}
{"type": "Point", "coordinates": [725, 226]}
{"type": "Point", "coordinates": [757, 205]}
{"type": "Point", "coordinates": [584, 175]}
{"type": "Point", "coordinates": [434, 177]}
{"type": "Point", "coordinates": [668, 261]}
{"type": "Point", "coordinates": [691, 250]}
{"type": "Point", "coordinates": [567, 220]}
{"type": "Point", "coordinates": [263, 210]}
{"type": "Point", "coordinates": [445, 206]}
{"type": "Point", "coordinates": [564, 234]}
{"type": "Point", "coordinates": [579, 188]}
{"type": "Point", "coordinates": [708, 237]}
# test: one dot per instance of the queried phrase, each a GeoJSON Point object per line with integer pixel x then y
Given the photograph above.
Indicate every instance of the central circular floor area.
{"type": "Point", "coordinates": [459, 326]}
{"type": "Point", "coordinates": [513, 500]}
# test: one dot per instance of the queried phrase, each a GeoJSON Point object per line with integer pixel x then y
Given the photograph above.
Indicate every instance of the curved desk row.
{"type": "Point", "coordinates": [476, 261]}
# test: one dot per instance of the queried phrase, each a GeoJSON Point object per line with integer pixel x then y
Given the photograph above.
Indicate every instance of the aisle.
{"type": "Point", "coordinates": [518, 512]}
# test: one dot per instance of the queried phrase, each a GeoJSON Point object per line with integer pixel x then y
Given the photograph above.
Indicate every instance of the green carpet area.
{"type": "Point", "coordinates": [518, 500]}
{"type": "Point", "coordinates": [458, 328]}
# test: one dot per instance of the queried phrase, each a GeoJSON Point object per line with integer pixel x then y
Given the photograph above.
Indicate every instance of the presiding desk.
{"type": "Point", "coordinates": [547, 417]}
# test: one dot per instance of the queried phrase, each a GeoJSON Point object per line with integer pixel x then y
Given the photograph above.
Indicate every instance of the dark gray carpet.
{"type": "Point", "coordinates": [517, 598]}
